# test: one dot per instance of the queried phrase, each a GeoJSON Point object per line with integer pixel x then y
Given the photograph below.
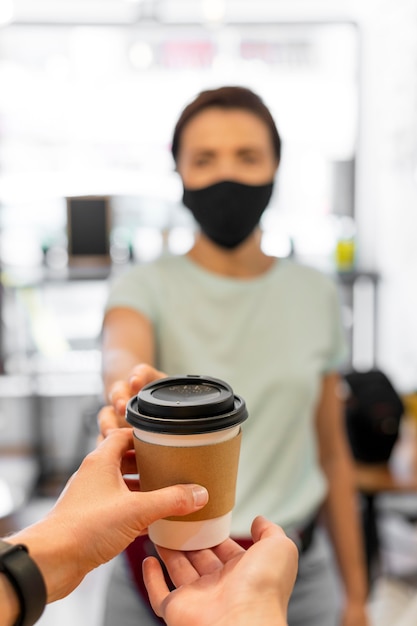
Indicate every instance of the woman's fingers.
{"type": "Point", "coordinates": [119, 395]}
{"type": "Point", "coordinates": [141, 375]}
{"type": "Point", "coordinates": [121, 392]}
{"type": "Point", "coordinates": [108, 420]}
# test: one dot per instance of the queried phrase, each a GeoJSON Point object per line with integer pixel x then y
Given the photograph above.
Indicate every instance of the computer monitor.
{"type": "Point", "coordinates": [88, 231]}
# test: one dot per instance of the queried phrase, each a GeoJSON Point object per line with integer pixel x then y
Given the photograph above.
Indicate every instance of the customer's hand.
{"type": "Point", "coordinates": [226, 585]}
{"type": "Point", "coordinates": [97, 516]}
{"type": "Point", "coordinates": [119, 394]}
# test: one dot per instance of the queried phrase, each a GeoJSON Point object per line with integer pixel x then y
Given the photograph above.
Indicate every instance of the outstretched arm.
{"type": "Point", "coordinates": [127, 362]}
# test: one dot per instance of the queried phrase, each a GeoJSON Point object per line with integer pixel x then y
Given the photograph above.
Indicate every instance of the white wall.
{"type": "Point", "coordinates": [387, 178]}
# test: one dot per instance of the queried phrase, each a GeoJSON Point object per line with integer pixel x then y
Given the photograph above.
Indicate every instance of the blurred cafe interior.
{"type": "Point", "coordinates": [89, 93]}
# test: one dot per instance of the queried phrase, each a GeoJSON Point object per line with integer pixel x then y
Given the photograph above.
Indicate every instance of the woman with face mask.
{"type": "Point", "coordinates": [268, 326]}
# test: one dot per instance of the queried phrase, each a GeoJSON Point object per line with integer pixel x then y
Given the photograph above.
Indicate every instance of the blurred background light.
{"type": "Point", "coordinates": [6, 12]}
{"type": "Point", "coordinates": [180, 240]}
{"type": "Point", "coordinates": [141, 55]}
{"type": "Point", "coordinates": [213, 11]}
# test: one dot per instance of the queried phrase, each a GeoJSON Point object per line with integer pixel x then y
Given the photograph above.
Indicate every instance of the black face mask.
{"type": "Point", "coordinates": [228, 212]}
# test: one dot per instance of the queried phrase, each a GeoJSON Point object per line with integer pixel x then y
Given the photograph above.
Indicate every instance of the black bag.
{"type": "Point", "coordinates": [373, 412]}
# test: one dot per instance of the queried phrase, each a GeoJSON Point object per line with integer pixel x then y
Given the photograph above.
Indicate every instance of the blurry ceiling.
{"type": "Point", "coordinates": [130, 12]}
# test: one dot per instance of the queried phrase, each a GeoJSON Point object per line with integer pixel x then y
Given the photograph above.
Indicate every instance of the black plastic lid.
{"type": "Point", "coordinates": [186, 405]}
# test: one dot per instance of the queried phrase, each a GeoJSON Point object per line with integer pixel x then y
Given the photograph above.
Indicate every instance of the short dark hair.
{"type": "Point", "coordinates": [231, 97]}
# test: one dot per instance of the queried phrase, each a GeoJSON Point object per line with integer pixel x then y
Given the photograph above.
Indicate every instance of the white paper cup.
{"type": "Point", "coordinates": [189, 535]}
{"type": "Point", "coordinates": [187, 430]}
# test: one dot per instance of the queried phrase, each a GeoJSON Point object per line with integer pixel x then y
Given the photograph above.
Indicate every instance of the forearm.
{"type": "Point", "coordinates": [127, 340]}
{"type": "Point", "coordinates": [54, 550]}
{"type": "Point", "coordinates": [341, 505]}
{"type": "Point", "coordinates": [117, 364]}
{"type": "Point", "coordinates": [49, 548]}
{"type": "Point", "coordinates": [342, 517]}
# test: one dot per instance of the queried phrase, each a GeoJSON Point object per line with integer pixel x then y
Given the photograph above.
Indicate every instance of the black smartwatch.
{"type": "Point", "coordinates": [26, 579]}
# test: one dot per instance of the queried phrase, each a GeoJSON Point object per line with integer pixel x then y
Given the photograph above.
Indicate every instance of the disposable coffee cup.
{"type": "Point", "coordinates": [187, 430]}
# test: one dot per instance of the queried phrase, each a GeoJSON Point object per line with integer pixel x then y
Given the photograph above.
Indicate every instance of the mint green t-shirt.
{"type": "Point", "coordinates": [272, 338]}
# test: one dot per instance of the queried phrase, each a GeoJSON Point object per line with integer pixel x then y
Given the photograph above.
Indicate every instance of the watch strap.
{"type": "Point", "coordinates": [27, 580]}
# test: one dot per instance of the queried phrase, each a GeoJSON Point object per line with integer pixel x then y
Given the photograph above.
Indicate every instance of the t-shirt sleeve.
{"type": "Point", "coordinates": [131, 290]}
{"type": "Point", "coordinates": [338, 353]}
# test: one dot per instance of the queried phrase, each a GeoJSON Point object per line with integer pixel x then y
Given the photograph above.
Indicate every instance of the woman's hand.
{"type": "Point", "coordinates": [97, 516]}
{"type": "Point", "coordinates": [226, 585]}
{"type": "Point", "coordinates": [120, 393]}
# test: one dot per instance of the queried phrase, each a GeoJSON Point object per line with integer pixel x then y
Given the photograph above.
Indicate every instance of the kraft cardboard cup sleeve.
{"type": "Point", "coordinates": [187, 430]}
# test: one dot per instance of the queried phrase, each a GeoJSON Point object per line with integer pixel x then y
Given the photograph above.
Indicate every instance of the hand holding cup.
{"type": "Point", "coordinates": [187, 430]}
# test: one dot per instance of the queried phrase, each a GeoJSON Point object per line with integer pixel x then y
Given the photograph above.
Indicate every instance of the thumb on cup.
{"type": "Point", "coordinates": [174, 500]}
